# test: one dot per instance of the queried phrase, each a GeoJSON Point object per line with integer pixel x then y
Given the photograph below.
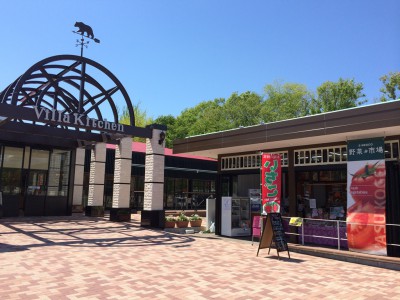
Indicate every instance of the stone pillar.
{"type": "Point", "coordinates": [95, 206]}
{"type": "Point", "coordinates": [77, 198]}
{"type": "Point", "coordinates": [120, 211]}
{"type": "Point", "coordinates": [153, 213]}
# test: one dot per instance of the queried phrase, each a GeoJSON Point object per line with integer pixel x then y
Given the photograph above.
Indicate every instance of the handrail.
{"type": "Point", "coordinates": [338, 222]}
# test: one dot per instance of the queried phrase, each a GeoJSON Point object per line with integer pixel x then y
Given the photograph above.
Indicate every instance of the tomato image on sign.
{"type": "Point", "coordinates": [368, 183]}
{"type": "Point", "coordinates": [366, 230]}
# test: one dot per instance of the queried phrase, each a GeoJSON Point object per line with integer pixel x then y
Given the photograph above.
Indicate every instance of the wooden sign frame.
{"type": "Point", "coordinates": [273, 233]}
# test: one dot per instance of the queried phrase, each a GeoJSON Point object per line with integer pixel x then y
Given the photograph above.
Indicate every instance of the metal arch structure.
{"type": "Point", "coordinates": [66, 97]}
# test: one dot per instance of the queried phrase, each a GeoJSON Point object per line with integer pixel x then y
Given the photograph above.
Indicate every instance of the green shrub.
{"type": "Point", "coordinates": [194, 217]}
{"type": "Point", "coordinates": [170, 218]}
{"type": "Point", "coordinates": [182, 217]}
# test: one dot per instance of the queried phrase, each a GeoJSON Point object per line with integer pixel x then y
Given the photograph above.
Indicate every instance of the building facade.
{"type": "Point", "coordinates": [313, 153]}
{"type": "Point", "coordinates": [188, 179]}
{"type": "Point", "coordinates": [59, 107]}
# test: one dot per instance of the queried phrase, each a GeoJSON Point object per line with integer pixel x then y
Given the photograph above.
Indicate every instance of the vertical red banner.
{"type": "Point", "coordinates": [271, 183]}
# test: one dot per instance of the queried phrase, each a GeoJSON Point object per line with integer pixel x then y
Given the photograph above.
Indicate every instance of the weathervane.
{"type": "Point", "coordinates": [82, 29]}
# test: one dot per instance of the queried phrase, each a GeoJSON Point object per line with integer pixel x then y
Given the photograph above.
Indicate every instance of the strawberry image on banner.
{"type": "Point", "coordinates": [271, 183]}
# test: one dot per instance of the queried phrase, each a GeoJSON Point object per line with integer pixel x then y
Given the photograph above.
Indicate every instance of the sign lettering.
{"type": "Point", "coordinates": [79, 120]}
{"type": "Point", "coordinates": [271, 182]}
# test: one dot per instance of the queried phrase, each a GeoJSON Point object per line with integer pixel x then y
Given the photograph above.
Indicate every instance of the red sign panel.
{"type": "Point", "coordinates": [271, 182]}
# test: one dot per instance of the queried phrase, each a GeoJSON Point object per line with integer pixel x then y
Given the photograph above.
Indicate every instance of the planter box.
{"type": "Point", "coordinates": [169, 224]}
{"type": "Point", "coordinates": [195, 223]}
{"type": "Point", "coordinates": [182, 224]}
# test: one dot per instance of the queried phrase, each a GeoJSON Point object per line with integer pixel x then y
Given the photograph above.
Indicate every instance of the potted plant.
{"type": "Point", "coordinates": [169, 221]}
{"type": "Point", "coordinates": [195, 220]}
{"type": "Point", "coordinates": [182, 220]}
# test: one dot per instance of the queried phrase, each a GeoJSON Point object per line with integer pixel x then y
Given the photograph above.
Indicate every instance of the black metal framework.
{"type": "Point", "coordinates": [66, 97]}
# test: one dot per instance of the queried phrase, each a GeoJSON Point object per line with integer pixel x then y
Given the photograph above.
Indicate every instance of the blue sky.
{"type": "Point", "coordinates": [171, 55]}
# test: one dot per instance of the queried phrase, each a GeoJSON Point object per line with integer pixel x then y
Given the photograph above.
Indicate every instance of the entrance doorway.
{"type": "Point", "coordinates": [34, 182]}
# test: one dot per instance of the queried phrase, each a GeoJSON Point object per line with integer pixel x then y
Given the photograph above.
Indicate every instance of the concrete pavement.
{"type": "Point", "coordinates": [92, 258]}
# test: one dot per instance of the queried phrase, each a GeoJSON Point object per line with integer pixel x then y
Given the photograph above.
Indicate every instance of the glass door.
{"type": "Point", "coordinates": [11, 175]}
{"type": "Point", "coordinates": [58, 183]}
{"type": "Point", "coordinates": [36, 183]}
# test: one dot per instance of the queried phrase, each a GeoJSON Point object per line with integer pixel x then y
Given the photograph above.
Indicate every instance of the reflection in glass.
{"type": "Point", "coordinates": [39, 160]}
{"type": "Point", "coordinates": [59, 173]}
{"type": "Point", "coordinates": [37, 180]}
{"type": "Point", "coordinates": [11, 173]}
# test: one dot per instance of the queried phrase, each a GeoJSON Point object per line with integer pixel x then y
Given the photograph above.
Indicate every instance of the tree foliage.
{"type": "Point", "coordinates": [281, 101]}
{"type": "Point", "coordinates": [331, 96]}
{"type": "Point", "coordinates": [242, 110]}
{"type": "Point", "coordinates": [141, 119]}
{"type": "Point", "coordinates": [205, 117]}
{"type": "Point", "coordinates": [285, 101]}
{"type": "Point", "coordinates": [391, 86]}
{"type": "Point", "coordinates": [169, 121]}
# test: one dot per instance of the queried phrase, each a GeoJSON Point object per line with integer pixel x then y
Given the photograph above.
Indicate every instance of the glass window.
{"type": "Point", "coordinates": [325, 155]}
{"type": "Point", "coordinates": [331, 155]}
{"type": "Point", "coordinates": [225, 186]}
{"type": "Point", "coordinates": [181, 185]}
{"type": "Point", "coordinates": [37, 183]}
{"type": "Point", "coordinates": [58, 172]}
{"type": "Point", "coordinates": [337, 154]}
{"type": "Point", "coordinates": [39, 159]}
{"type": "Point", "coordinates": [319, 156]}
{"type": "Point", "coordinates": [307, 157]}
{"type": "Point", "coordinates": [137, 192]}
{"type": "Point", "coordinates": [13, 157]}
{"type": "Point", "coordinates": [327, 193]}
{"type": "Point", "coordinates": [11, 173]}
{"type": "Point", "coordinates": [313, 157]}
{"type": "Point", "coordinates": [344, 154]}
{"type": "Point", "coordinates": [395, 152]}
{"type": "Point", "coordinates": [387, 150]}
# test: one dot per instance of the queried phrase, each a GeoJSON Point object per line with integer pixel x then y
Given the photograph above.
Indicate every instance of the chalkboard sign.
{"type": "Point", "coordinates": [273, 232]}
{"type": "Point", "coordinates": [278, 231]}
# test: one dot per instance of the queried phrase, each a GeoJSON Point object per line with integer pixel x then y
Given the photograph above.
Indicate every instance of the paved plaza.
{"type": "Point", "coordinates": [92, 258]}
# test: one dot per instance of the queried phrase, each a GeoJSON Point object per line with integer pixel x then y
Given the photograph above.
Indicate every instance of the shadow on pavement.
{"type": "Point", "coordinates": [82, 232]}
{"type": "Point", "coordinates": [286, 259]}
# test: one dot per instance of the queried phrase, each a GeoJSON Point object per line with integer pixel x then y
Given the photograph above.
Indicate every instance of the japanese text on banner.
{"type": "Point", "coordinates": [271, 182]}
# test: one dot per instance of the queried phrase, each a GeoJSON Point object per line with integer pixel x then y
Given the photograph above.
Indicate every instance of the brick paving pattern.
{"type": "Point", "coordinates": [92, 258]}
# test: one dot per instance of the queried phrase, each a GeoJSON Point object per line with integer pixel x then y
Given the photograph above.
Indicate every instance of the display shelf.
{"type": "Point", "coordinates": [235, 216]}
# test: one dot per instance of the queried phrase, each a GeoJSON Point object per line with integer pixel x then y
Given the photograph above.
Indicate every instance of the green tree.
{"type": "Point", "coordinates": [168, 121]}
{"type": "Point", "coordinates": [205, 117]}
{"type": "Point", "coordinates": [141, 119]}
{"type": "Point", "coordinates": [391, 86]}
{"type": "Point", "coordinates": [331, 96]}
{"type": "Point", "coordinates": [243, 109]}
{"type": "Point", "coordinates": [285, 101]}
{"type": "Point", "coordinates": [211, 118]}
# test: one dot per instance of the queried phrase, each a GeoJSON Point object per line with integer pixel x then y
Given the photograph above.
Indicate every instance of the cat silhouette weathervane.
{"type": "Point", "coordinates": [82, 29]}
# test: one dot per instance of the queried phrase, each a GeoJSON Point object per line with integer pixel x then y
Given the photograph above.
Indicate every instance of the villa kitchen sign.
{"type": "Point", "coordinates": [76, 120]}
{"type": "Point", "coordinates": [62, 118]}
